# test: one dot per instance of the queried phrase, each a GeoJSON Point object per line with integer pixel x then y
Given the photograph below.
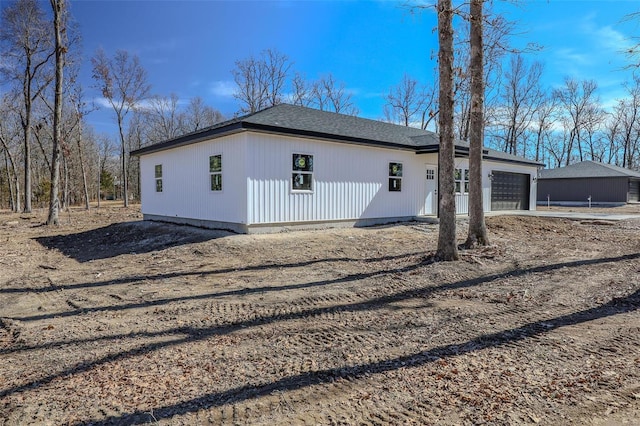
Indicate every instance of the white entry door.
{"type": "Point", "coordinates": [431, 199]}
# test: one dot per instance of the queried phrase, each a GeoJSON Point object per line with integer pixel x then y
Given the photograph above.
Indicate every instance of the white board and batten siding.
{"type": "Point", "coordinates": [350, 182]}
{"type": "Point", "coordinates": [186, 191]}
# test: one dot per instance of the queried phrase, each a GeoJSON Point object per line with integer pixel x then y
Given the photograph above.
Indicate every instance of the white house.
{"type": "Point", "coordinates": [291, 166]}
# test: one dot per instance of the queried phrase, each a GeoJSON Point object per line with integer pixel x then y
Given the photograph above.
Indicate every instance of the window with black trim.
{"type": "Point", "coordinates": [215, 172]}
{"type": "Point", "coordinates": [395, 177]}
{"type": "Point", "coordinates": [461, 177]}
{"type": "Point", "coordinates": [431, 174]}
{"type": "Point", "coordinates": [302, 176]}
{"type": "Point", "coordinates": [158, 174]}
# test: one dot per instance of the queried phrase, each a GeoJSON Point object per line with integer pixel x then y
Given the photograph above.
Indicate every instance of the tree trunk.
{"type": "Point", "coordinates": [12, 205]}
{"type": "Point", "coordinates": [15, 200]}
{"type": "Point", "coordinates": [54, 204]}
{"type": "Point", "coordinates": [123, 155]}
{"type": "Point", "coordinates": [477, 227]}
{"type": "Point", "coordinates": [65, 190]}
{"type": "Point", "coordinates": [26, 128]}
{"type": "Point", "coordinates": [447, 249]}
{"type": "Point", "coordinates": [99, 180]}
{"type": "Point", "coordinates": [82, 167]}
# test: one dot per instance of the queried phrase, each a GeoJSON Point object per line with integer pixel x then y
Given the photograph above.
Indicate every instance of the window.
{"type": "Point", "coordinates": [215, 171]}
{"type": "Point", "coordinates": [461, 177]}
{"type": "Point", "coordinates": [158, 173]}
{"type": "Point", "coordinates": [395, 177]}
{"type": "Point", "coordinates": [431, 174]}
{"type": "Point", "coordinates": [302, 176]}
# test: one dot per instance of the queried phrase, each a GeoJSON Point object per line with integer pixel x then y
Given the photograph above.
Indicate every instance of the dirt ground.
{"type": "Point", "coordinates": [110, 320]}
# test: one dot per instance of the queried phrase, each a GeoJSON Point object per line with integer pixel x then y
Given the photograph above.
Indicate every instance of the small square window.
{"type": "Point", "coordinates": [395, 184]}
{"type": "Point", "coordinates": [395, 177]}
{"type": "Point", "coordinates": [302, 176]}
{"type": "Point", "coordinates": [215, 163]}
{"type": "Point", "coordinates": [216, 182]}
{"type": "Point", "coordinates": [395, 169]}
{"type": "Point", "coordinates": [431, 174]}
{"type": "Point", "coordinates": [302, 181]}
{"type": "Point", "coordinates": [302, 162]}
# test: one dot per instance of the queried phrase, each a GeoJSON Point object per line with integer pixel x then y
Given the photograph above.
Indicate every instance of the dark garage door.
{"type": "Point", "coordinates": [509, 191]}
{"type": "Point", "coordinates": [634, 190]}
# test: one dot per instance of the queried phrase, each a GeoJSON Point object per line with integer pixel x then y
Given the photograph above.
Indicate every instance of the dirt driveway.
{"type": "Point", "coordinates": [110, 320]}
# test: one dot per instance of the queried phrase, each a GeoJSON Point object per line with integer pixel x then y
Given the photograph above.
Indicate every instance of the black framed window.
{"type": "Point", "coordinates": [302, 172]}
{"type": "Point", "coordinates": [461, 177]}
{"type": "Point", "coordinates": [431, 174]}
{"type": "Point", "coordinates": [215, 172]}
{"type": "Point", "coordinates": [395, 177]}
{"type": "Point", "coordinates": [158, 177]}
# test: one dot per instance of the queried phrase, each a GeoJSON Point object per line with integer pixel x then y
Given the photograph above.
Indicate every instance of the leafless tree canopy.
{"type": "Point", "coordinates": [123, 83]}
{"type": "Point", "coordinates": [264, 81]}
{"type": "Point", "coordinates": [27, 48]}
{"type": "Point", "coordinates": [411, 104]}
{"type": "Point", "coordinates": [260, 82]}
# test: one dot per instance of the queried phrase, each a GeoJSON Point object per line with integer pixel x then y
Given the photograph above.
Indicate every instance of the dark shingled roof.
{"type": "Point", "coordinates": [300, 121]}
{"type": "Point", "coordinates": [587, 169]}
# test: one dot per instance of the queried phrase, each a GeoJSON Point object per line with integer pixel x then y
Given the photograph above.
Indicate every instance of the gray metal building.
{"type": "Point", "coordinates": [603, 183]}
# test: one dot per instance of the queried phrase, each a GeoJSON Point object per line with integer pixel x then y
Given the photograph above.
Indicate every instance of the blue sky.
{"type": "Point", "coordinates": [189, 47]}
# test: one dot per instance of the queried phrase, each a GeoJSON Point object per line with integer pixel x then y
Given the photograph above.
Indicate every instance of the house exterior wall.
{"type": "Point", "coordinates": [186, 191]}
{"type": "Point", "coordinates": [349, 182]}
{"type": "Point", "coordinates": [601, 190]}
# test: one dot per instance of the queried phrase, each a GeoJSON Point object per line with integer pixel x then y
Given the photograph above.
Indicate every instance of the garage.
{"type": "Point", "coordinates": [509, 191]}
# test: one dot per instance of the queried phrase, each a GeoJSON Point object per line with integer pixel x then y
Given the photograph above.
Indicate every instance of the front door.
{"type": "Point", "coordinates": [431, 199]}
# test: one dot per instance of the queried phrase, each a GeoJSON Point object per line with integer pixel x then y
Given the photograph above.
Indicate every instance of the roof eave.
{"type": "Point", "coordinates": [513, 160]}
{"type": "Point", "coordinates": [190, 139]}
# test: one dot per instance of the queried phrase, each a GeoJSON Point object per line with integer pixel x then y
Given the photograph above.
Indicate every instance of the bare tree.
{"type": "Point", "coordinates": [477, 234]}
{"type": "Point", "coordinates": [544, 118]}
{"type": "Point", "coordinates": [162, 118]}
{"type": "Point", "coordinates": [261, 81]}
{"type": "Point", "coordinates": [301, 91]}
{"type": "Point", "coordinates": [447, 248]}
{"type": "Point", "coordinates": [80, 110]}
{"type": "Point", "coordinates": [409, 103]}
{"type": "Point", "coordinates": [496, 32]}
{"type": "Point", "coordinates": [10, 141]}
{"type": "Point", "coordinates": [594, 117]}
{"type": "Point", "coordinates": [520, 98]}
{"type": "Point", "coordinates": [59, 24]}
{"type": "Point", "coordinates": [198, 116]}
{"type": "Point", "coordinates": [329, 95]}
{"type": "Point", "coordinates": [575, 98]}
{"type": "Point", "coordinates": [27, 46]}
{"type": "Point", "coordinates": [123, 83]}
{"type": "Point", "coordinates": [276, 67]}
{"type": "Point", "coordinates": [626, 116]}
